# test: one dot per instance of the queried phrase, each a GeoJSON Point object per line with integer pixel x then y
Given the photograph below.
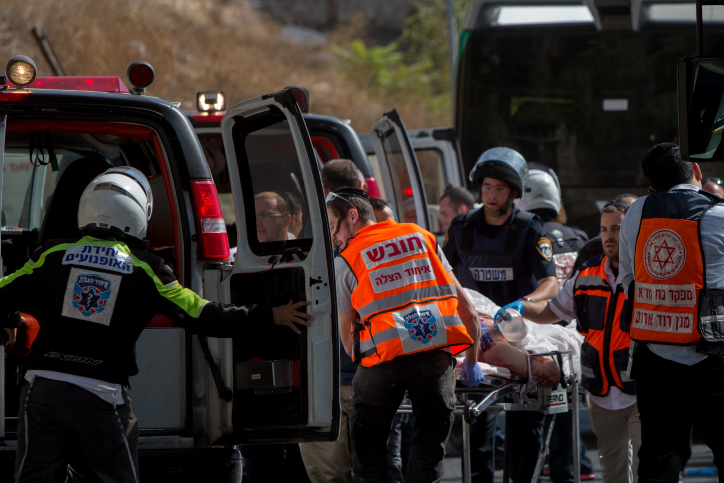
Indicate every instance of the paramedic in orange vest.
{"type": "Point", "coordinates": [594, 296]}
{"type": "Point", "coordinates": [672, 266]}
{"type": "Point", "coordinates": [394, 278]}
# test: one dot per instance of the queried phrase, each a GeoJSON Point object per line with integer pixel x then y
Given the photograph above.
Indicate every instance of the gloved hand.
{"type": "Point", "coordinates": [485, 340]}
{"type": "Point", "coordinates": [517, 305]}
{"type": "Point", "coordinates": [473, 374]}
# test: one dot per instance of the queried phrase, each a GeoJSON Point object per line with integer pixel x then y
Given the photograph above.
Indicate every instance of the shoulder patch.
{"type": "Point", "coordinates": [545, 248]}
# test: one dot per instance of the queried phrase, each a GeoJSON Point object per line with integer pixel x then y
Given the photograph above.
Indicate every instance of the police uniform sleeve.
{"type": "Point", "coordinates": [539, 251]}
{"type": "Point", "coordinates": [186, 309]}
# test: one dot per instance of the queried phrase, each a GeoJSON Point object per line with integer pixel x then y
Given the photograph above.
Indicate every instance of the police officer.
{"type": "Point", "coordinates": [672, 260]}
{"type": "Point", "coordinates": [505, 254]}
{"type": "Point", "coordinates": [92, 298]}
{"type": "Point", "coordinates": [395, 279]}
{"type": "Point", "coordinates": [542, 196]}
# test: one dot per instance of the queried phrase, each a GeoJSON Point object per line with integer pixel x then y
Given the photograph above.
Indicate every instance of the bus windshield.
{"type": "Point", "coordinates": [587, 103]}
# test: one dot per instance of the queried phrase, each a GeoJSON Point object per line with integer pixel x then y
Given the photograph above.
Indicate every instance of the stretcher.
{"type": "Point", "coordinates": [517, 394]}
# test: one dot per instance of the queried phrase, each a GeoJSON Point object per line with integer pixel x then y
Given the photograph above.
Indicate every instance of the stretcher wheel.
{"type": "Point", "coordinates": [468, 412]}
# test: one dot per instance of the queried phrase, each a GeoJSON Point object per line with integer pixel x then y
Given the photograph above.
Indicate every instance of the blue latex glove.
{"type": "Point", "coordinates": [485, 340]}
{"type": "Point", "coordinates": [517, 305]}
{"type": "Point", "coordinates": [473, 374]}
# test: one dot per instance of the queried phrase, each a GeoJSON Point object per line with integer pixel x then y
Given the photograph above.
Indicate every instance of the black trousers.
{"type": "Point", "coordinates": [671, 399]}
{"type": "Point", "coordinates": [526, 431]}
{"type": "Point", "coordinates": [429, 379]}
{"type": "Point", "coordinates": [68, 424]}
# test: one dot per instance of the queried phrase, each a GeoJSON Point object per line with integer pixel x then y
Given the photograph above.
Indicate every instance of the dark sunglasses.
{"type": "Point", "coordinates": [617, 203]}
{"type": "Point", "coordinates": [713, 180]}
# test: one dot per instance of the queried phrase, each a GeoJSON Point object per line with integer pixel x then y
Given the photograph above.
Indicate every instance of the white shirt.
{"type": "Point", "coordinates": [712, 245]}
{"type": "Point", "coordinates": [109, 392]}
{"type": "Point", "coordinates": [563, 305]}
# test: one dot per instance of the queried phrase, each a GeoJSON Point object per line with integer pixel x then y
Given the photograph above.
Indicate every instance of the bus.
{"type": "Point", "coordinates": [585, 90]}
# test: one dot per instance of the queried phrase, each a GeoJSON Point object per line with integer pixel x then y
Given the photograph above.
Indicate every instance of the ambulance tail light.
{"type": "Point", "coordinates": [214, 242]}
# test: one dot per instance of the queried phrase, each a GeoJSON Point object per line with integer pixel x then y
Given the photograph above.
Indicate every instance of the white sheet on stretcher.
{"type": "Point", "coordinates": [540, 338]}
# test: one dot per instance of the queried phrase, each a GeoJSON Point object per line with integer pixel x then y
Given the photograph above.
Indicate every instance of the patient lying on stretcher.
{"type": "Point", "coordinates": [501, 353]}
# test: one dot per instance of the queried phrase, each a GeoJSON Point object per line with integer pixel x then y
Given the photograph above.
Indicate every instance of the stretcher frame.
{"type": "Point", "coordinates": [520, 395]}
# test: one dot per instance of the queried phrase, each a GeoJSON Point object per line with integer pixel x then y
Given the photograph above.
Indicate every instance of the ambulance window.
{"type": "Point", "coordinates": [432, 172]}
{"type": "Point", "coordinates": [275, 200]}
{"type": "Point", "coordinates": [401, 183]}
{"type": "Point", "coordinates": [28, 188]}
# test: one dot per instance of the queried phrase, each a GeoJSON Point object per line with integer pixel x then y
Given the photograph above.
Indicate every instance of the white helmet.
{"type": "Point", "coordinates": [119, 201]}
{"type": "Point", "coordinates": [541, 192]}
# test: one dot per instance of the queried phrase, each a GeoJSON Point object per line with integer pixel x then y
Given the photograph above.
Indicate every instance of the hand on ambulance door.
{"type": "Point", "coordinates": [289, 315]}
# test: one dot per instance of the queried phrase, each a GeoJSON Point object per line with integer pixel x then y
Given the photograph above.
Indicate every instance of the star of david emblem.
{"type": "Point", "coordinates": [90, 294]}
{"type": "Point", "coordinates": [89, 300]}
{"type": "Point", "coordinates": [421, 325]}
{"type": "Point", "coordinates": [664, 254]}
{"type": "Point", "coordinates": [668, 251]}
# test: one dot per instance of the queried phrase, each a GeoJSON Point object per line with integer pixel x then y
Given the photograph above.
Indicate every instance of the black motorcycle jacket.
{"type": "Point", "coordinates": [93, 298]}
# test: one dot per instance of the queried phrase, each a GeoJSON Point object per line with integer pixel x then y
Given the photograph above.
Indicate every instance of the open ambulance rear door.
{"type": "Point", "coordinates": [398, 172]}
{"type": "Point", "coordinates": [286, 388]}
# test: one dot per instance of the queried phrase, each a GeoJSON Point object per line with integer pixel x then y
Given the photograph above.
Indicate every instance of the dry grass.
{"type": "Point", "coordinates": [193, 45]}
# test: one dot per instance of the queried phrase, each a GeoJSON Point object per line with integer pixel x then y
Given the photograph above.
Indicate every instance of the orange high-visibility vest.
{"type": "Point", "coordinates": [605, 352]}
{"type": "Point", "coordinates": [669, 269]}
{"type": "Point", "coordinates": [405, 297]}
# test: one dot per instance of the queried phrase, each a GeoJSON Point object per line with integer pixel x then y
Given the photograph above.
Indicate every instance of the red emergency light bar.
{"type": "Point", "coordinates": [206, 117]}
{"type": "Point", "coordinates": [110, 84]}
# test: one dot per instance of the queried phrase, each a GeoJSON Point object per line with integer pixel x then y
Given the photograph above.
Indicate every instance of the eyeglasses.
{"type": "Point", "coordinates": [618, 204]}
{"type": "Point", "coordinates": [713, 180]}
{"type": "Point", "coordinates": [269, 216]}
{"type": "Point", "coordinates": [500, 190]}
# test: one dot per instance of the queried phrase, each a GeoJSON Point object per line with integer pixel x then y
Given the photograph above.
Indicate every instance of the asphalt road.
{"type": "Point", "coordinates": [701, 459]}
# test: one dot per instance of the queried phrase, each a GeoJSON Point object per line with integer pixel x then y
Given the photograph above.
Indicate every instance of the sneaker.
{"type": "Point", "coordinates": [588, 477]}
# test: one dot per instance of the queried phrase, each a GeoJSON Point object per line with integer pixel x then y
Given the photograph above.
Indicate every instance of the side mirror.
{"type": "Point", "coordinates": [701, 108]}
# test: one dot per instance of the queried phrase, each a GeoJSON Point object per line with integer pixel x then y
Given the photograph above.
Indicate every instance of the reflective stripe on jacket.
{"type": "Point", "coordinates": [405, 297]}
{"type": "Point", "coordinates": [604, 353]}
{"type": "Point", "coordinates": [669, 269]}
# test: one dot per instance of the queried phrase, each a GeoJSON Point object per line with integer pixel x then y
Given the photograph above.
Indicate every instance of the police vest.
{"type": "Point", "coordinates": [605, 351]}
{"type": "Point", "coordinates": [404, 296]}
{"type": "Point", "coordinates": [565, 243]}
{"type": "Point", "coordinates": [495, 267]}
{"type": "Point", "coordinates": [670, 281]}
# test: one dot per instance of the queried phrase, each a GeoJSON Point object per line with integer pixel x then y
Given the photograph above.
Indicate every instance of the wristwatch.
{"type": "Point", "coordinates": [527, 299]}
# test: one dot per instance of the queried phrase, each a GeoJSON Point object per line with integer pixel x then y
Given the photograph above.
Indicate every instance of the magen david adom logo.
{"type": "Point", "coordinates": [664, 254]}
